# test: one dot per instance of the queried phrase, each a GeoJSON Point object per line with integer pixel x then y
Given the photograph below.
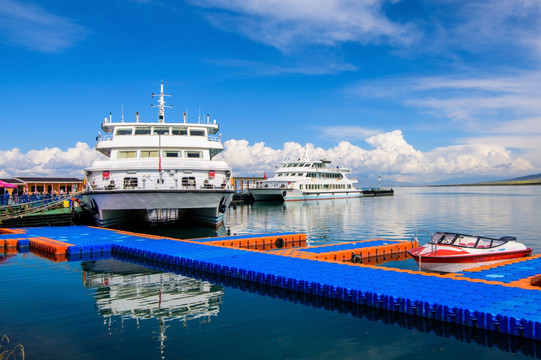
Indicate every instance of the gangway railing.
{"type": "Point", "coordinates": [20, 208]}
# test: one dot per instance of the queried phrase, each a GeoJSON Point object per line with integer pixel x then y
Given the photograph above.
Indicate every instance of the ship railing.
{"type": "Point", "coordinates": [215, 138]}
{"type": "Point", "coordinates": [152, 183]}
{"type": "Point", "coordinates": [36, 204]}
{"type": "Point", "coordinates": [105, 137]}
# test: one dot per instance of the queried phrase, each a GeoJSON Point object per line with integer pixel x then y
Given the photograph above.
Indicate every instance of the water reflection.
{"type": "Point", "coordinates": [7, 253]}
{"type": "Point", "coordinates": [489, 211]}
{"type": "Point", "coordinates": [132, 291]}
{"type": "Point", "coordinates": [481, 337]}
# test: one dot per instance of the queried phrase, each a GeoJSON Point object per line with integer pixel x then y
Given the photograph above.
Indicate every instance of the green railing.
{"type": "Point", "coordinates": [21, 209]}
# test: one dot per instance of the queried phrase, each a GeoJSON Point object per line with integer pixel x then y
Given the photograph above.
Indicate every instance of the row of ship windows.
{"type": "Point", "coordinates": [132, 182]}
{"type": "Point", "coordinates": [158, 131]}
{"type": "Point", "coordinates": [326, 186]}
{"type": "Point", "coordinates": [313, 175]}
{"type": "Point", "coordinates": [316, 165]}
{"type": "Point", "coordinates": [154, 154]}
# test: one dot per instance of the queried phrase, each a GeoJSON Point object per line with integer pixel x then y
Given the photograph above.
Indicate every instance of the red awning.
{"type": "Point", "coordinates": [7, 185]}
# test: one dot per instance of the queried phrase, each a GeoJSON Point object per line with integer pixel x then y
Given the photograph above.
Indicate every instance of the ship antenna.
{"type": "Point", "coordinates": [161, 104]}
{"type": "Point", "coordinates": [122, 113]}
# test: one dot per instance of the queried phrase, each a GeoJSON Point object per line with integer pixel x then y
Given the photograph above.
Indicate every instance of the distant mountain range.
{"type": "Point", "coordinates": [523, 180]}
{"type": "Point", "coordinates": [534, 179]}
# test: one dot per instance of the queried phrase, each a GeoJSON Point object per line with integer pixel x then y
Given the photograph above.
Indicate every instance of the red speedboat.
{"type": "Point", "coordinates": [452, 252]}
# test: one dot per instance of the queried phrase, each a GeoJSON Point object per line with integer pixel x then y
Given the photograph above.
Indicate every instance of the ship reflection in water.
{"type": "Point", "coordinates": [131, 291]}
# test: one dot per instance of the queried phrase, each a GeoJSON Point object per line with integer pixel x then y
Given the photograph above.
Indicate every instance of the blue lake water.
{"type": "Point", "coordinates": [112, 309]}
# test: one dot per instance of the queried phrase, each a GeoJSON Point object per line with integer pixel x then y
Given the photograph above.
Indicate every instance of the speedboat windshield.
{"type": "Point", "coordinates": [468, 241]}
{"type": "Point", "coordinates": [442, 238]}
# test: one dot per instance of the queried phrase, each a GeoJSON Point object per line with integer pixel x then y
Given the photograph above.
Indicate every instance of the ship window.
{"type": "Point", "coordinates": [127, 154]}
{"type": "Point", "coordinates": [123, 131]}
{"type": "Point", "coordinates": [188, 181]}
{"type": "Point", "coordinates": [130, 183]}
{"type": "Point", "coordinates": [179, 131]}
{"type": "Point", "coordinates": [171, 154]}
{"type": "Point", "coordinates": [194, 154]}
{"type": "Point", "coordinates": [160, 131]}
{"type": "Point", "coordinates": [197, 132]}
{"type": "Point", "coordinates": [152, 153]}
{"type": "Point", "coordinates": [142, 131]}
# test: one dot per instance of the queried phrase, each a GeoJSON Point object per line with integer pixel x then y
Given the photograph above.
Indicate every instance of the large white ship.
{"type": "Point", "coordinates": [306, 180]}
{"type": "Point", "coordinates": [158, 166]}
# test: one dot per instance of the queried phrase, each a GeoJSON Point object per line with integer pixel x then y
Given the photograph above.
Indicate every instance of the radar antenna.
{"type": "Point", "coordinates": [161, 104]}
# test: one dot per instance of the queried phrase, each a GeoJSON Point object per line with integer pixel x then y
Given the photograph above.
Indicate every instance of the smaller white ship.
{"type": "Point", "coordinates": [307, 180]}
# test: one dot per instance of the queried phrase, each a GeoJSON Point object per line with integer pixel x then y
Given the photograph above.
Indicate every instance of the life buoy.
{"type": "Point", "coordinates": [279, 243]}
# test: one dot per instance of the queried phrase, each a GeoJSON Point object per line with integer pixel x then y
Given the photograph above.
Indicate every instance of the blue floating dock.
{"type": "Point", "coordinates": [489, 299]}
{"type": "Point", "coordinates": [509, 272]}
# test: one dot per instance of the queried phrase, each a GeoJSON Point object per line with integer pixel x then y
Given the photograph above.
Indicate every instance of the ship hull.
{"type": "Point", "coordinates": [111, 208]}
{"type": "Point", "coordinates": [297, 195]}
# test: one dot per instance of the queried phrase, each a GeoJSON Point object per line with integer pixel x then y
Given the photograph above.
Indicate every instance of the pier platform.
{"type": "Point", "coordinates": [500, 298]}
{"type": "Point", "coordinates": [377, 191]}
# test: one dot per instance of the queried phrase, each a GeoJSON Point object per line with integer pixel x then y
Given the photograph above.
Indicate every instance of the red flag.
{"type": "Point", "coordinates": [265, 175]}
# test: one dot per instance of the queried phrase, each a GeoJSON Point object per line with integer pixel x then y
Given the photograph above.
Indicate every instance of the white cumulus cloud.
{"type": "Point", "coordinates": [389, 155]}
{"type": "Point", "coordinates": [48, 161]}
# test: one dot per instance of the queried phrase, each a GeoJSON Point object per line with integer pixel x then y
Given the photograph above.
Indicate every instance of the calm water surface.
{"type": "Point", "coordinates": [113, 309]}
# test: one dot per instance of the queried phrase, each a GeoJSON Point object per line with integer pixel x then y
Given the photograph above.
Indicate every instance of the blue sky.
{"type": "Point", "coordinates": [414, 91]}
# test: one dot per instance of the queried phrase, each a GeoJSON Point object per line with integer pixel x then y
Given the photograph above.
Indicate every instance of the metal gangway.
{"type": "Point", "coordinates": [29, 205]}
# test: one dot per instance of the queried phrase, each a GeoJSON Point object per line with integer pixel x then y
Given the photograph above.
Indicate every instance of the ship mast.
{"type": "Point", "coordinates": [161, 104]}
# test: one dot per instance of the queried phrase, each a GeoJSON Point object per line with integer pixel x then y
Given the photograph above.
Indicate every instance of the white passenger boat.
{"type": "Point", "coordinates": [158, 166]}
{"type": "Point", "coordinates": [306, 180]}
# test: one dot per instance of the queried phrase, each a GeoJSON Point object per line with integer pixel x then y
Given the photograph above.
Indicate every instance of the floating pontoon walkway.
{"type": "Point", "coordinates": [497, 299]}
